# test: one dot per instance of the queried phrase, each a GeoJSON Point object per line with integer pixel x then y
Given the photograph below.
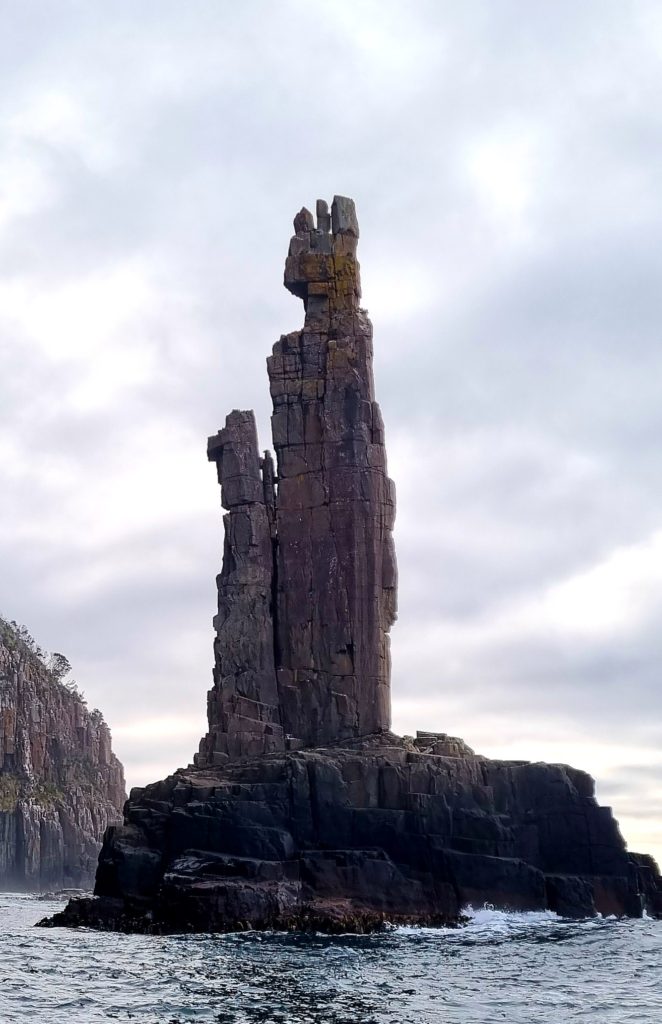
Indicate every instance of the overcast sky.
{"type": "Point", "coordinates": [506, 159]}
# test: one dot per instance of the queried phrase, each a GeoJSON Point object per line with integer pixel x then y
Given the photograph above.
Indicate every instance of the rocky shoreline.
{"type": "Point", "coordinates": [60, 782]}
{"type": "Point", "coordinates": [347, 839]}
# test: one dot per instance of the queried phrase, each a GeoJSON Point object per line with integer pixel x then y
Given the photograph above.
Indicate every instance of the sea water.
{"type": "Point", "coordinates": [530, 968]}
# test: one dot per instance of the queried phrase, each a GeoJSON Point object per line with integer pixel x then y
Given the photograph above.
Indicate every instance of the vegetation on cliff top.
{"type": "Point", "coordinates": [17, 638]}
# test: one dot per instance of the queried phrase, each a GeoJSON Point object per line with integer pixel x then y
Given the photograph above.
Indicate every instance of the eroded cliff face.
{"type": "Point", "coordinates": [60, 783]}
{"type": "Point", "coordinates": [302, 809]}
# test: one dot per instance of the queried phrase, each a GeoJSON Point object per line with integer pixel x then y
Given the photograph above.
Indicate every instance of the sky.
{"type": "Point", "coordinates": [505, 158]}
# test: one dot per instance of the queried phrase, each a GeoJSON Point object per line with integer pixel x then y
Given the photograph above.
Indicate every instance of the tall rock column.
{"type": "Point", "coordinates": [335, 562]}
{"type": "Point", "coordinates": [242, 707]}
{"type": "Point", "coordinates": [307, 593]}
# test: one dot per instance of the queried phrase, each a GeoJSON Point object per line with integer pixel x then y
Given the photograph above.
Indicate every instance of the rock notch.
{"type": "Point", "coordinates": [307, 593]}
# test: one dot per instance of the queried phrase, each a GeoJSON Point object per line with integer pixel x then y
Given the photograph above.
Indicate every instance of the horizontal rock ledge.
{"type": "Point", "coordinates": [348, 838]}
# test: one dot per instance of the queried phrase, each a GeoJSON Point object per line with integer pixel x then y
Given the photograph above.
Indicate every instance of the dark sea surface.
{"type": "Point", "coordinates": [528, 968]}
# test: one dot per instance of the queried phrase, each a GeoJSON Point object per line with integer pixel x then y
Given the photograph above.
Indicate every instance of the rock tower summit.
{"type": "Point", "coordinates": [307, 592]}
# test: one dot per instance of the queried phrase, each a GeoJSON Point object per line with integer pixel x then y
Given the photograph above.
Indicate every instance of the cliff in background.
{"type": "Point", "coordinates": [302, 809]}
{"type": "Point", "coordinates": [345, 838]}
{"type": "Point", "coordinates": [60, 783]}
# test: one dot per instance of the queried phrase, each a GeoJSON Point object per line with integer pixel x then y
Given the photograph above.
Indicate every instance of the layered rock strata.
{"type": "Point", "coordinates": [345, 838]}
{"type": "Point", "coordinates": [302, 809]}
{"type": "Point", "coordinates": [61, 786]}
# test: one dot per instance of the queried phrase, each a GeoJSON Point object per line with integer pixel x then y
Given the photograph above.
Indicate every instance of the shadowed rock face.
{"type": "Point", "coordinates": [243, 706]}
{"type": "Point", "coordinates": [307, 593]}
{"type": "Point", "coordinates": [302, 810]}
{"type": "Point", "coordinates": [347, 837]}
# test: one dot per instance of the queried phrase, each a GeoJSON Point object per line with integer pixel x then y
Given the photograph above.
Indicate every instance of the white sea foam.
{"type": "Point", "coordinates": [488, 918]}
{"type": "Point", "coordinates": [505, 966]}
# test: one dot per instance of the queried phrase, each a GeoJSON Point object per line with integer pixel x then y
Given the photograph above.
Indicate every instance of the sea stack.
{"type": "Point", "coordinates": [307, 593]}
{"type": "Point", "coordinates": [302, 809]}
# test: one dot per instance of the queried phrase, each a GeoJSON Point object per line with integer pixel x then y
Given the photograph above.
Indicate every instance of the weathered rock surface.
{"type": "Point", "coordinates": [60, 783]}
{"type": "Point", "coordinates": [302, 809]}
{"type": "Point", "coordinates": [243, 705]}
{"type": "Point", "coordinates": [343, 838]}
{"type": "Point", "coordinates": [336, 574]}
{"type": "Point", "coordinates": [307, 593]}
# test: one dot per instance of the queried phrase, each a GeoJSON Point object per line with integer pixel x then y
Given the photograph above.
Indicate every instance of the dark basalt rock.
{"type": "Point", "coordinates": [349, 838]}
{"type": "Point", "coordinates": [302, 810]}
{"type": "Point", "coordinates": [243, 707]}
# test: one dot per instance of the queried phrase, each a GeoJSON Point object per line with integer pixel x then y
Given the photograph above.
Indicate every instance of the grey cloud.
{"type": "Point", "coordinates": [526, 371]}
{"type": "Point", "coordinates": [600, 687]}
{"type": "Point", "coordinates": [644, 772]}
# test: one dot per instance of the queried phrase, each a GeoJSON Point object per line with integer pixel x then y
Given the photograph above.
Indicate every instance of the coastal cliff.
{"type": "Point", "coordinates": [302, 809]}
{"type": "Point", "coordinates": [61, 785]}
{"type": "Point", "coordinates": [343, 839]}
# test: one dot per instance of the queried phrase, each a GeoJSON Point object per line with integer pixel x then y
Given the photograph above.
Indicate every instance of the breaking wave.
{"type": "Point", "coordinates": [518, 968]}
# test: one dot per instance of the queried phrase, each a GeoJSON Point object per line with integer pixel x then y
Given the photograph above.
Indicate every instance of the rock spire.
{"type": "Point", "coordinates": [307, 592]}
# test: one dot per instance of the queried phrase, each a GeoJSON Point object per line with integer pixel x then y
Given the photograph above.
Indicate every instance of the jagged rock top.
{"type": "Point", "coordinates": [321, 261]}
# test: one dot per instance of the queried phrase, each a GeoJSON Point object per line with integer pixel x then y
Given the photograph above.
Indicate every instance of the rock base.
{"type": "Point", "coordinates": [350, 838]}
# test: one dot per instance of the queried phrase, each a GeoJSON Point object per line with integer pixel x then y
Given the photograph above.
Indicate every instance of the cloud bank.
{"type": "Point", "coordinates": [506, 167]}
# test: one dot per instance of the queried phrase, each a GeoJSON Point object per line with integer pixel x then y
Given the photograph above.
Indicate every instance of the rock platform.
{"type": "Point", "coordinates": [348, 838]}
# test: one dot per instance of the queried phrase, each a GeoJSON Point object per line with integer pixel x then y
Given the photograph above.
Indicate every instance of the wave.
{"type": "Point", "coordinates": [489, 926]}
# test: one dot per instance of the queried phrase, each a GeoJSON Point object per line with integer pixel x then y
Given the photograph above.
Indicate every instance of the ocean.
{"type": "Point", "coordinates": [520, 968]}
